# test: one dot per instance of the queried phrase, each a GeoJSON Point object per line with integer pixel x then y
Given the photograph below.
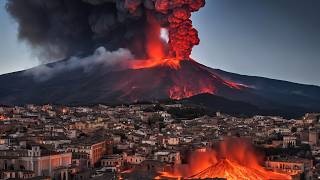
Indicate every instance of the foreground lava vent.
{"type": "Point", "coordinates": [232, 170]}
{"type": "Point", "coordinates": [234, 159]}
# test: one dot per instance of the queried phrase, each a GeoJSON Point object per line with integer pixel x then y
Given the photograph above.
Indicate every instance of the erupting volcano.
{"type": "Point", "coordinates": [181, 39]}
{"type": "Point", "coordinates": [175, 20]}
{"type": "Point", "coordinates": [141, 51]}
{"type": "Point", "coordinates": [233, 160]}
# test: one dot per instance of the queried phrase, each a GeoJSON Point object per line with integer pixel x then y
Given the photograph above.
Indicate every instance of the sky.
{"type": "Point", "coordinates": [269, 38]}
{"type": "Point", "coordinates": [14, 55]}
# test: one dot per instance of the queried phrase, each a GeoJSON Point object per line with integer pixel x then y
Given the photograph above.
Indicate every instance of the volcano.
{"type": "Point", "coordinates": [232, 159]}
{"type": "Point", "coordinates": [232, 170]}
{"type": "Point", "coordinates": [111, 84]}
{"type": "Point", "coordinates": [145, 67]}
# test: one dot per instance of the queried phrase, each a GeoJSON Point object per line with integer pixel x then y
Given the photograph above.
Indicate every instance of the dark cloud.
{"type": "Point", "coordinates": [60, 28]}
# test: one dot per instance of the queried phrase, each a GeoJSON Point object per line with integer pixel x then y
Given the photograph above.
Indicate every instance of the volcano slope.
{"type": "Point", "coordinates": [111, 85]}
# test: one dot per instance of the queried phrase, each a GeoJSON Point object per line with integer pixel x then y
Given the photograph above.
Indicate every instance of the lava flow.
{"type": "Point", "coordinates": [233, 160]}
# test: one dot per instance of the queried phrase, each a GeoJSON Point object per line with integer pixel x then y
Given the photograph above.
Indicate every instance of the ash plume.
{"type": "Point", "coordinates": [101, 57]}
{"type": "Point", "coordinates": [62, 28]}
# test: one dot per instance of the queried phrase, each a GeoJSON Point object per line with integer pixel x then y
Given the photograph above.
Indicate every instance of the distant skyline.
{"type": "Point", "coordinates": [269, 38]}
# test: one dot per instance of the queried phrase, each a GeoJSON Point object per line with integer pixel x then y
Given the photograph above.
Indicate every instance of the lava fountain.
{"type": "Point", "coordinates": [233, 159]}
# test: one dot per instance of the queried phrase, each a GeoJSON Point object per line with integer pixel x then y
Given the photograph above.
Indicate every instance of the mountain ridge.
{"type": "Point", "coordinates": [112, 84]}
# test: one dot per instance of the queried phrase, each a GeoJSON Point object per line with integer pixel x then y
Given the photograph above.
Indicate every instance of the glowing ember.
{"type": "Point", "coordinates": [234, 160]}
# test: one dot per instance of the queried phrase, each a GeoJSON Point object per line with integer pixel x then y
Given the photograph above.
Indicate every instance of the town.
{"type": "Point", "coordinates": [139, 141]}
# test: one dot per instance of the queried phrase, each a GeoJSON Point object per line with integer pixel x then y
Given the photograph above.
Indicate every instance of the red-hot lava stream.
{"type": "Point", "coordinates": [234, 159]}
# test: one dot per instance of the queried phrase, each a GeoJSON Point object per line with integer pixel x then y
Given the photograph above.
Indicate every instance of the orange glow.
{"type": "Point", "coordinates": [2, 117]}
{"type": "Point", "coordinates": [179, 92]}
{"type": "Point", "coordinates": [233, 159]}
{"type": "Point", "coordinates": [140, 64]}
{"type": "Point", "coordinates": [156, 49]}
{"type": "Point", "coordinates": [155, 45]}
{"type": "Point", "coordinates": [184, 82]}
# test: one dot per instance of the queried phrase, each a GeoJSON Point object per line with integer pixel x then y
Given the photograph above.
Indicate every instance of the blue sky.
{"type": "Point", "coordinates": [270, 38]}
{"type": "Point", "coordinates": [14, 55]}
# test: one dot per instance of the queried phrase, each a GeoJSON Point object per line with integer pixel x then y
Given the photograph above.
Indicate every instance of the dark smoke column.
{"type": "Point", "coordinates": [182, 36]}
{"type": "Point", "coordinates": [62, 28]}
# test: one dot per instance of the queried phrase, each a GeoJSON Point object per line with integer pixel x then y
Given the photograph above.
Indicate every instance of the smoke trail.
{"type": "Point", "coordinates": [101, 57]}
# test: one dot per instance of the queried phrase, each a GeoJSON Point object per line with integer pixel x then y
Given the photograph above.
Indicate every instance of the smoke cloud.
{"type": "Point", "coordinates": [101, 57]}
{"type": "Point", "coordinates": [62, 28]}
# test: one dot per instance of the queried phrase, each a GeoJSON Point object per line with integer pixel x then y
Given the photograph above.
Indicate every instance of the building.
{"type": "Point", "coordinates": [114, 160]}
{"type": "Point", "coordinates": [91, 149]}
{"type": "Point", "coordinates": [313, 137]}
{"type": "Point", "coordinates": [289, 141]}
{"type": "Point", "coordinates": [41, 162]}
{"type": "Point", "coordinates": [16, 174]}
{"type": "Point", "coordinates": [171, 140]}
{"type": "Point", "coordinates": [292, 166]}
{"type": "Point", "coordinates": [170, 157]}
{"type": "Point", "coordinates": [134, 159]}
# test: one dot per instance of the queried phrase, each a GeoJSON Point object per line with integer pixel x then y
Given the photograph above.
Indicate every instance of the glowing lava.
{"type": "Point", "coordinates": [234, 160]}
{"type": "Point", "coordinates": [140, 64]}
{"type": "Point", "coordinates": [184, 81]}
{"type": "Point", "coordinates": [156, 49]}
{"type": "Point", "coordinates": [185, 90]}
{"type": "Point", "coordinates": [181, 34]}
{"type": "Point", "coordinates": [231, 170]}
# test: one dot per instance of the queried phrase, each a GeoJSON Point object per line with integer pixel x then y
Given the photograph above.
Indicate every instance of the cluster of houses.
{"type": "Point", "coordinates": [138, 141]}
